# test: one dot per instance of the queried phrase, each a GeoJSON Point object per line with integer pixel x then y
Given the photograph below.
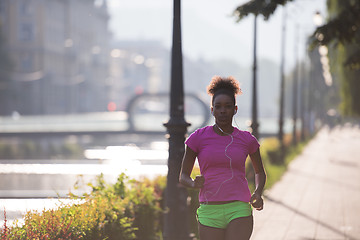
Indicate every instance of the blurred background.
{"type": "Point", "coordinates": [87, 82]}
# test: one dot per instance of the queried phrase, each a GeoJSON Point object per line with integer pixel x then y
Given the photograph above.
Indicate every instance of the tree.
{"type": "Point", "coordinates": [259, 7]}
{"type": "Point", "coordinates": [341, 33]}
{"type": "Point", "coordinates": [344, 27]}
{"type": "Point", "coordinates": [344, 52]}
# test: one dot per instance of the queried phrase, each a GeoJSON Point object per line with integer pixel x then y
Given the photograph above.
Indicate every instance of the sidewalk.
{"type": "Point", "coordinates": [319, 195]}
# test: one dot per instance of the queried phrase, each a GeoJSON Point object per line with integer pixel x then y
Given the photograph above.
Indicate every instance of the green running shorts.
{"type": "Point", "coordinates": [220, 215]}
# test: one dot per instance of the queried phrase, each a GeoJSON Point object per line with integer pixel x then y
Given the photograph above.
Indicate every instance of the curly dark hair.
{"type": "Point", "coordinates": [223, 85]}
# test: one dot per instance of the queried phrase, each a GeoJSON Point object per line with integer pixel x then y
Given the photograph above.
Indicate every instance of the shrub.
{"type": "Point", "coordinates": [31, 149]}
{"type": "Point", "coordinates": [93, 219]}
{"type": "Point", "coordinates": [4, 231]}
{"type": "Point", "coordinates": [119, 211]}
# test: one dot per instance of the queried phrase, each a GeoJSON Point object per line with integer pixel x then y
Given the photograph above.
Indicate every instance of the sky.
{"type": "Point", "coordinates": [209, 31]}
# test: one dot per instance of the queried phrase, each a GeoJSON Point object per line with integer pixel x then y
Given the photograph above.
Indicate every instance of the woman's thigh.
{"type": "Point", "coordinates": [211, 233]}
{"type": "Point", "coordinates": [240, 229]}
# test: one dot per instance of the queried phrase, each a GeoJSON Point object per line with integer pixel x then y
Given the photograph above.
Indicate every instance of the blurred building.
{"type": "Point", "coordinates": [59, 52]}
{"type": "Point", "coordinates": [65, 60]}
{"type": "Point", "coordinates": [141, 66]}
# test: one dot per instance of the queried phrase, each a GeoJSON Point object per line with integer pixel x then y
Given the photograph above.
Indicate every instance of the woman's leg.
{"type": "Point", "coordinates": [211, 233]}
{"type": "Point", "coordinates": [239, 229]}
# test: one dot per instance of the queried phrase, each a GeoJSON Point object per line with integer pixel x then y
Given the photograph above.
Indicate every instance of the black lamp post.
{"type": "Point", "coordinates": [175, 224]}
{"type": "Point", "coordinates": [254, 122]}
{"type": "Point", "coordinates": [282, 88]}
{"type": "Point", "coordinates": [295, 88]}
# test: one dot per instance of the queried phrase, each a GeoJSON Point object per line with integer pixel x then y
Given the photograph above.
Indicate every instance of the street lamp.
{"type": "Point", "coordinates": [318, 20]}
{"type": "Point", "coordinates": [295, 87]}
{"type": "Point", "coordinates": [282, 88]}
{"type": "Point", "coordinates": [254, 122]}
{"type": "Point", "coordinates": [175, 224]}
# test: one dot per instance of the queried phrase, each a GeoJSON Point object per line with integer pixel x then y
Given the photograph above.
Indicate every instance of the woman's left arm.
{"type": "Point", "coordinates": [260, 179]}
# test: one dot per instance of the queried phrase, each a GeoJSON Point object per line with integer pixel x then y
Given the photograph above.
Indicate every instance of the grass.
{"type": "Point", "coordinates": [274, 166]}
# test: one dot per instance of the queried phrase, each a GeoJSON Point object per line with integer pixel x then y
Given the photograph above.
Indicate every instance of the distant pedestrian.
{"type": "Point", "coordinates": [225, 211]}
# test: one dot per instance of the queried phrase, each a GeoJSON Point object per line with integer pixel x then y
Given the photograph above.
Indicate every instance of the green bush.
{"type": "Point", "coordinates": [125, 210]}
{"type": "Point", "coordinates": [31, 149]}
{"type": "Point", "coordinates": [7, 150]}
{"type": "Point", "coordinates": [275, 167]}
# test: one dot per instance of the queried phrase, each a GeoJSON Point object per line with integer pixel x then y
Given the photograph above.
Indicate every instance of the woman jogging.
{"type": "Point", "coordinates": [225, 211]}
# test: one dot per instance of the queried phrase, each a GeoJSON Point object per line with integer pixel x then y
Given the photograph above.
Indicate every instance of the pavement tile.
{"type": "Point", "coordinates": [319, 196]}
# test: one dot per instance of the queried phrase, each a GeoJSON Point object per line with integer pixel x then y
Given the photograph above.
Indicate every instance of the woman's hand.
{"type": "Point", "coordinates": [260, 179]}
{"type": "Point", "coordinates": [186, 168]}
{"type": "Point", "coordinates": [257, 202]}
{"type": "Point", "coordinates": [198, 182]}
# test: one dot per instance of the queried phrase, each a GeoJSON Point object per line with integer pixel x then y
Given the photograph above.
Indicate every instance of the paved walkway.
{"type": "Point", "coordinates": [319, 196]}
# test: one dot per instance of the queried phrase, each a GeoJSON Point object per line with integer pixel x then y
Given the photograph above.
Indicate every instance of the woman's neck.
{"type": "Point", "coordinates": [227, 130]}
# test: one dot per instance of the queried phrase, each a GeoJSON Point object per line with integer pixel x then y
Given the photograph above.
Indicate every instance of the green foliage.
{"type": "Point", "coordinates": [30, 149]}
{"type": "Point", "coordinates": [343, 25]}
{"type": "Point", "coordinates": [5, 63]}
{"type": "Point", "coordinates": [71, 150]}
{"type": "Point", "coordinates": [6, 66]}
{"type": "Point", "coordinates": [7, 151]}
{"type": "Point", "coordinates": [349, 80]}
{"type": "Point", "coordinates": [128, 209]}
{"type": "Point", "coordinates": [342, 35]}
{"type": "Point", "coordinates": [342, 30]}
{"type": "Point", "coordinates": [258, 7]}
{"type": "Point", "coordinates": [344, 66]}
{"type": "Point", "coordinates": [271, 157]}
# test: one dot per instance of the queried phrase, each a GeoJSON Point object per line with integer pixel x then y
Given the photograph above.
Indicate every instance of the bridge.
{"type": "Point", "coordinates": [145, 114]}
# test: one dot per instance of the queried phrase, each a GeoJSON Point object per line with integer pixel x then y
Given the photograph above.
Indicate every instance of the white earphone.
{"type": "Point", "coordinates": [212, 194]}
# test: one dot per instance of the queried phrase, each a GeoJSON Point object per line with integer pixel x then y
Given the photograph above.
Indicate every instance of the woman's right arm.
{"type": "Point", "coordinates": [186, 169]}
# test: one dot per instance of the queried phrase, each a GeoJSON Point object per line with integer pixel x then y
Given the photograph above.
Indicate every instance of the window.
{"type": "Point", "coordinates": [25, 8]}
{"type": "Point", "coordinates": [2, 6]}
{"type": "Point", "coordinates": [26, 32]}
{"type": "Point", "coordinates": [26, 62]}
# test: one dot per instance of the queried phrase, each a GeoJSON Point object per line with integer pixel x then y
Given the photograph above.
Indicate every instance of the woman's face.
{"type": "Point", "coordinates": [223, 109]}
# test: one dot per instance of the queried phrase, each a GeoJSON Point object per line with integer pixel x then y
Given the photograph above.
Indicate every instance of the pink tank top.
{"type": "Point", "coordinates": [223, 164]}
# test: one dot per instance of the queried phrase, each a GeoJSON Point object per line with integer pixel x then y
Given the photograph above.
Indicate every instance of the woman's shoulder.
{"type": "Point", "coordinates": [239, 131]}
{"type": "Point", "coordinates": [196, 137]}
{"type": "Point", "coordinates": [244, 133]}
{"type": "Point", "coordinates": [249, 138]}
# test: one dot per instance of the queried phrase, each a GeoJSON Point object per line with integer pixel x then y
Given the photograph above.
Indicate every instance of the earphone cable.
{"type": "Point", "coordinates": [230, 163]}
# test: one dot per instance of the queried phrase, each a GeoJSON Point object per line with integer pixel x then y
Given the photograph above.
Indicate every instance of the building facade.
{"type": "Point", "coordinates": [59, 53]}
